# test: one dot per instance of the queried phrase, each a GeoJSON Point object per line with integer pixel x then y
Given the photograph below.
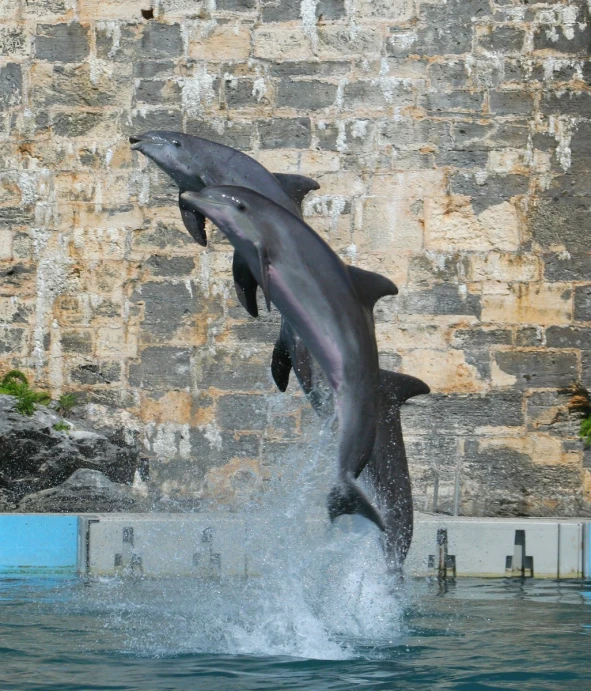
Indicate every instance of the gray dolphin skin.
{"type": "Point", "coordinates": [387, 468]}
{"type": "Point", "coordinates": [313, 289]}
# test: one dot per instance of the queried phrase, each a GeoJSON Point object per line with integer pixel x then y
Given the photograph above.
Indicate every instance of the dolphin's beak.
{"type": "Point", "coordinates": [197, 201]}
{"type": "Point", "coordinates": [135, 142]}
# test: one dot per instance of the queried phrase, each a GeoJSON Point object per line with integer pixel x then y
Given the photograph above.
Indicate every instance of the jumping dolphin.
{"type": "Point", "coordinates": [387, 468]}
{"type": "Point", "coordinates": [314, 291]}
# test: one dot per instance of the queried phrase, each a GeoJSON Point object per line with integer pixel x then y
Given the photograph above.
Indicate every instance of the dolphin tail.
{"type": "Point", "coordinates": [194, 222]}
{"type": "Point", "coordinates": [348, 498]}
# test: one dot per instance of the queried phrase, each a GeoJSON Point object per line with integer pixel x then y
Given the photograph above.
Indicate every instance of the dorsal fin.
{"type": "Point", "coordinates": [397, 388]}
{"type": "Point", "coordinates": [371, 286]}
{"type": "Point", "coordinates": [296, 186]}
{"type": "Point", "coordinates": [245, 284]}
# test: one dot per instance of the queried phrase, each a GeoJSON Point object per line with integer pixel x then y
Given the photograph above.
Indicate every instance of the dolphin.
{"type": "Point", "coordinates": [313, 289]}
{"type": "Point", "coordinates": [387, 469]}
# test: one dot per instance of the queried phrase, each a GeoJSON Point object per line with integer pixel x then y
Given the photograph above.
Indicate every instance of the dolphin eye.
{"type": "Point", "coordinates": [241, 206]}
{"type": "Point", "coordinates": [176, 142]}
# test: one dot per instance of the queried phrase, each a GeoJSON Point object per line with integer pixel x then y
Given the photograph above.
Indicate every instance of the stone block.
{"type": "Point", "coordinates": [338, 42]}
{"type": "Point", "coordinates": [441, 103]}
{"type": "Point", "coordinates": [529, 303]}
{"type": "Point", "coordinates": [162, 368]}
{"type": "Point", "coordinates": [280, 11]}
{"type": "Point", "coordinates": [481, 338]}
{"type": "Point", "coordinates": [157, 119]}
{"type": "Point", "coordinates": [490, 191]}
{"type": "Point", "coordinates": [167, 307]}
{"type": "Point", "coordinates": [224, 43]}
{"type": "Point", "coordinates": [14, 41]}
{"type": "Point", "coordinates": [449, 74]}
{"type": "Point", "coordinates": [582, 303]}
{"type": "Point", "coordinates": [12, 340]}
{"type": "Point", "coordinates": [236, 5]}
{"type": "Point", "coordinates": [162, 265]}
{"type": "Point", "coordinates": [157, 93]}
{"type": "Point", "coordinates": [538, 370]}
{"type": "Point", "coordinates": [281, 44]}
{"type": "Point", "coordinates": [511, 102]}
{"type": "Point", "coordinates": [502, 39]}
{"type": "Point", "coordinates": [305, 68]}
{"type": "Point", "coordinates": [378, 94]}
{"type": "Point", "coordinates": [160, 40]}
{"type": "Point", "coordinates": [507, 267]}
{"type": "Point", "coordinates": [11, 82]}
{"type": "Point", "coordinates": [280, 133]}
{"type": "Point", "coordinates": [442, 299]}
{"type": "Point", "coordinates": [89, 10]}
{"type": "Point", "coordinates": [568, 102]}
{"type": "Point", "coordinates": [234, 133]}
{"type": "Point", "coordinates": [305, 95]}
{"type": "Point", "coordinates": [99, 374]}
{"type": "Point", "coordinates": [573, 40]}
{"type": "Point", "coordinates": [83, 124]}
{"type": "Point", "coordinates": [560, 224]}
{"type": "Point", "coordinates": [390, 226]}
{"type": "Point", "coordinates": [76, 341]}
{"type": "Point", "coordinates": [61, 42]}
{"type": "Point", "coordinates": [242, 412]}
{"type": "Point", "coordinates": [152, 69]}
{"type": "Point", "coordinates": [568, 337]}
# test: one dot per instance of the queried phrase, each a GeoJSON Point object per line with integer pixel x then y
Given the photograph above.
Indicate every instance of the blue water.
{"type": "Point", "coordinates": [174, 635]}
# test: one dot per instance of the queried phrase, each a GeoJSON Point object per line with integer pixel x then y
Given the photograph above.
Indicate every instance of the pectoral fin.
{"type": "Point", "coordinates": [281, 362]}
{"type": "Point", "coordinates": [370, 286]}
{"type": "Point", "coordinates": [296, 186]}
{"type": "Point", "coordinates": [194, 223]}
{"type": "Point", "coordinates": [245, 284]}
{"type": "Point", "coordinates": [264, 270]}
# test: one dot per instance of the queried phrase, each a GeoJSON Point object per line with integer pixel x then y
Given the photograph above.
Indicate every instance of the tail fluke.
{"type": "Point", "coordinates": [347, 498]}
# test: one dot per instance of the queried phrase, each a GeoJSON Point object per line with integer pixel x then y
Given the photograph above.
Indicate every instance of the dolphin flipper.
{"type": "Point", "coordinates": [245, 284]}
{"type": "Point", "coordinates": [296, 186]}
{"type": "Point", "coordinates": [370, 286]}
{"type": "Point", "coordinates": [348, 498]}
{"type": "Point", "coordinates": [194, 222]}
{"type": "Point", "coordinates": [281, 361]}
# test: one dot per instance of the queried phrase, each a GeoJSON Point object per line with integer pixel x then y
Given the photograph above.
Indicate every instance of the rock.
{"type": "Point", "coordinates": [34, 456]}
{"type": "Point", "coordinates": [85, 491]}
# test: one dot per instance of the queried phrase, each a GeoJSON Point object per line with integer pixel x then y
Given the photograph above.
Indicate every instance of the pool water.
{"type": "Point", "coordinates": [183, 634]}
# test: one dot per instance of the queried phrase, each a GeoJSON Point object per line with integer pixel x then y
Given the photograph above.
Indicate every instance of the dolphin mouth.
{"type": "Point", "coordinates": [137, 140]}
{"type": "Point", "coordinates": [202, 203]}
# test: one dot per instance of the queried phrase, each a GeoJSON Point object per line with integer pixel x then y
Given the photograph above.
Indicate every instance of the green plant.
{"type": "Point", "coordinates": [61, 426]}
{"type": "Point", "coordinates": [65, 403]}
{"type": "Point", "coordinates": [15, 383]}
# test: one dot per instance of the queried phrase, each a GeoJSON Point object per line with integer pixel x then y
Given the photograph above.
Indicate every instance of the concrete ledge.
{"type": "Point", "coordinates": [213, 545]}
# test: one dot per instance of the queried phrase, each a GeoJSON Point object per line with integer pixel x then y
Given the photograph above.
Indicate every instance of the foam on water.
{"type": "Point", "coordinates": [322, 589]}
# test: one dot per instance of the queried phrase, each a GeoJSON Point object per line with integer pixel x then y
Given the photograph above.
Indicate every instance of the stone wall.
{"type": "Point", "coordinates": [451, 140]}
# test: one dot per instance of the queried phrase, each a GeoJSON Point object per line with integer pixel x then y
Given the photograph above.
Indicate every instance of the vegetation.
{"type": "Point", "coordinates": [65, 403]}
{"type": "Point", "coordinates": [580, 402]}
{"type": "Point", "coordinates": [16, 384]}
{"type": "Point", "coordinates": [61, 426]}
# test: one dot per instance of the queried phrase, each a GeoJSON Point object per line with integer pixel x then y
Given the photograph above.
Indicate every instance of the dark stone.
{"type": "Point", "coordinates": [163, 237]}
{"type": "Point", "coordinates": [161, 40]}
{"type": "Point", "coordinates": [242, 412]}
{"type": "Point", "coordinates": [280, 11]}
{"type": "Point", "coordinates": [236, 134]}
{"type": "Point", "coordinates": [119, 48]}
{"type": "Point", "coordinates": [576, 185]}
{"type": "Point", "coordinates": [553, 38]}
{"type": "Point", "coordinates": [481, 338]}
{"type": "Point", "coordinates": [76, 124]}
{"type": "Point", "coordinates": [157, 119]}
{"type": "Point", "coordinates": [511, 102]}
{"type": "Point", "coordinates": [368, 93]}
{"type": "Point", "coordinates": [462, 159]}
{"type": "Point", "coordinates": [426, 268]}
{"type": "Point", "coordinates": [575, 103]}
{"type": "Point", "coordinates": [167, 306]}
{"type": "Point", "coordinates": [408, 132]}
{"type": "Point", "coordinates": [149, 69]}
{"type": "Point", "coordinates": [537, 369]}
{"type": "Point", "coordinates": [508, 135]}
{"type": "Point", "coordinates": [76, 341]}
{"type": "Point", "coordinates": [503, 39]}
{"type": "Point", "coordinates": [160, 265]}
{"type": "Point", "coordinates": [305, 95]}
{"type": "Point", "coordinates": [61, 42]}
{"type": "Point", "coordinates": [162, 368]}
{"type": "Point", "coordinates": [515, 484]}
{"type": "Point", "coordinates": [582, 296]}
{"type": "Point", "coordinates": [304, 68]}
{"type": "Point", "coordinates": [157, 92]}
{"type": "Point", "coordinates": [70, 86]}
{"type": "Point", "coordinates": [494, 190]}
{"type": "Point", "coordinates": [529, 337]}
{"type": "Point", "coordinates": [11, 340]}
{"type": "Point", "coordinates": [34, 456]}
{"type": "Point", "coordinates": [471, 135]}
{"type": "Point", "coordinates": [330, 9]}
{"type": "Point", "coordinates": [441, 102]}
{"type": "Point", "coordinates": [223, 372]}
{"type": "Point", "coordinates": [85, 491]}
{"type": "Point", "coordinates": [103, 373]}
{"type": "Point", "coordinates": [562, 221]}
{"type": "Point", "coordinates": [11, 82]}
{"type": "Point", "coordinates": [443, 75]}
{"type": "Point", "coordinates": [568, 337]}
{"type": "Point", "coordinates": [239, 93]}
{"type": "Point", "coordinates": [280, 133]}
{"type": "Point", "coordinates": [457, 414]}
{"type": "Point", "coordinates": [440, 299]}
{"type": "Point", "coordinates": [448, 29]}
{"type": "Point", "coordinates": [236, 5]}
{"type": "Point", "coordinates": [580, 146]}
{"type": "Point", "coordinates": [214, 453]}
